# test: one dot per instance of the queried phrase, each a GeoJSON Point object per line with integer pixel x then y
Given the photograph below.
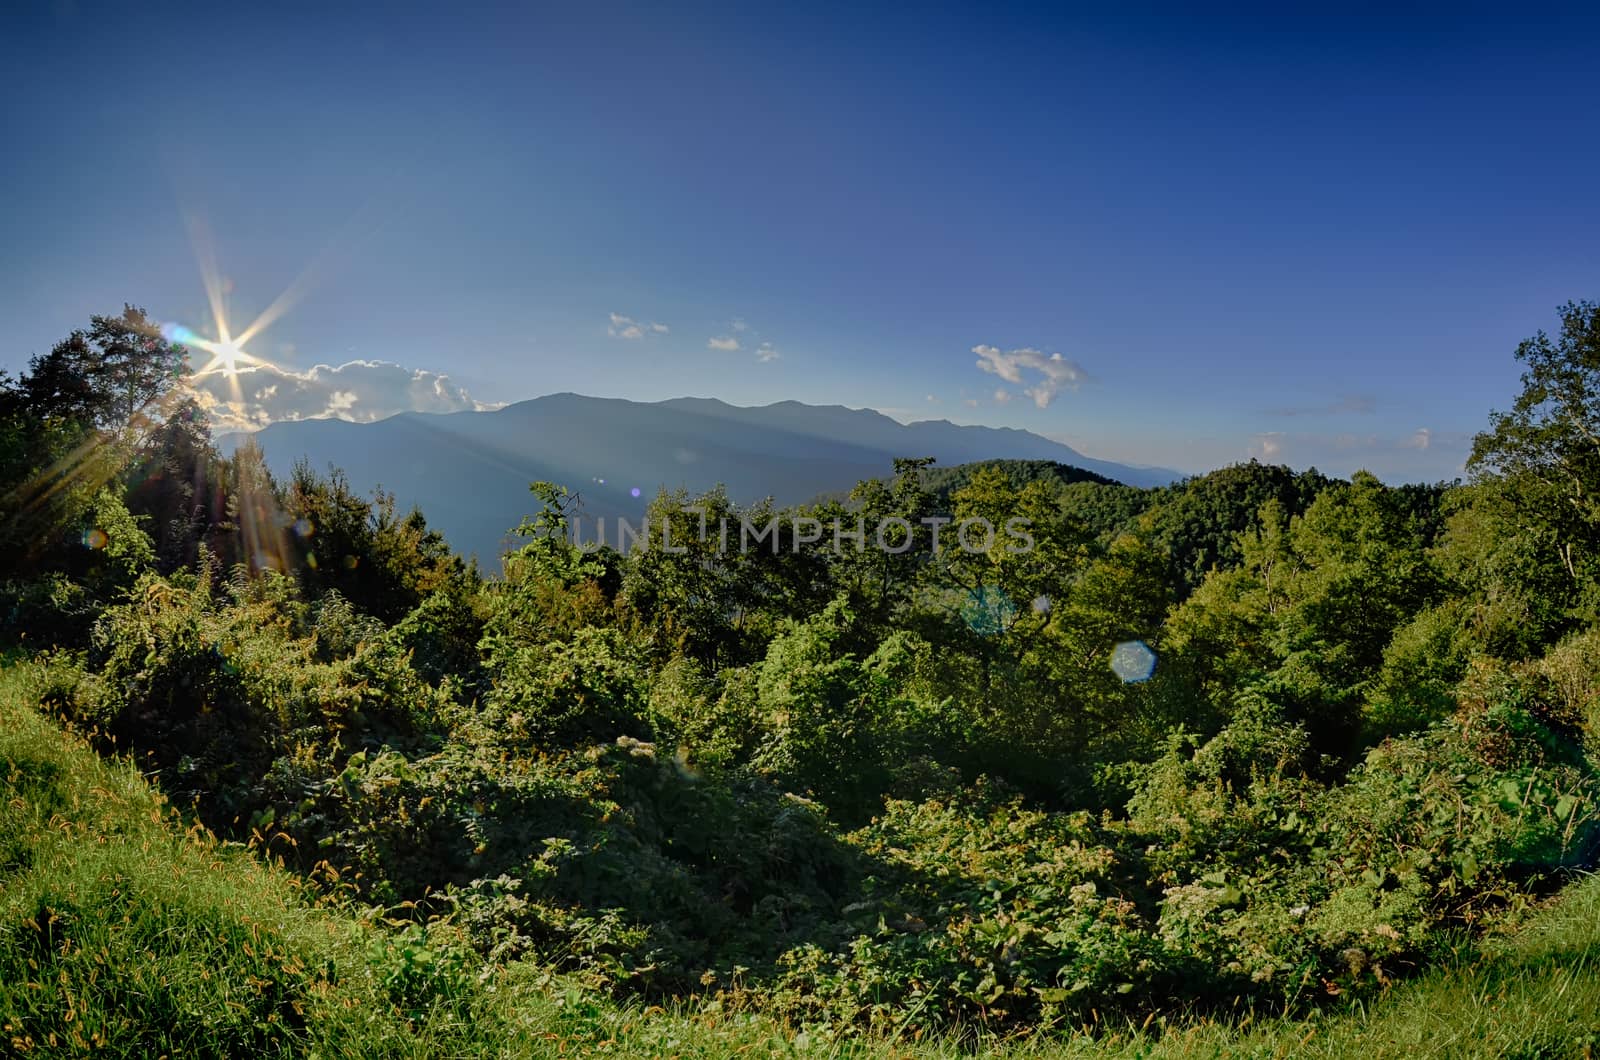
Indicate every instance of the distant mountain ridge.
{"type": "Point", "coordinates": [469, 471]}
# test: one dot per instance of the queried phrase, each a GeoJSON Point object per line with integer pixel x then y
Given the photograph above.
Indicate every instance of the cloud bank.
{"type": "Point", "coordinates": [361, 391]}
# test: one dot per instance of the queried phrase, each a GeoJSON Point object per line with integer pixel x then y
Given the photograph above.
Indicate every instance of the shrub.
{"type": "Point", "coordinates": [214, 686]}
{"type": "Point", "coordinates": [562, 693]}
{"type": "Point", "coordinates": [983, 913]}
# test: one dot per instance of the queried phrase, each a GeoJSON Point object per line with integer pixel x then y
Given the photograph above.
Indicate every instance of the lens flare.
{"type": "Point", "coordinates": [988, 611]}
{"type": "Point", "coordinates": [1133, 661]}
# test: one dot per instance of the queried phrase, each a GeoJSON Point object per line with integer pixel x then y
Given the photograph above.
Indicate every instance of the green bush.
{"type": "Point", "coordinates": [215, 685]}
{"type": "Point", "coordinates": [981, 913]}
{"type": "Point", "coordinates": [562, 693]}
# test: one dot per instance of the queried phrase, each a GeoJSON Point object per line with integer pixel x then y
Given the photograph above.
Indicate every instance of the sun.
{"type": "Point", "coordinates": [228, 357]}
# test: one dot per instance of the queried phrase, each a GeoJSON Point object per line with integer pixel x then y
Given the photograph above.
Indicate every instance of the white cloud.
{"type": "Point", "coordinates": [930, 399]}
{"type": "Point", "coordinates": [622, 327]}
{"type": "Point", "coordinates": [1002, 396]}
{"type": "Point", "coordinates": [1267, 446]}
{"type": "Point", "coordinates": [1420, 440]}
{"type": "Point", "coordinates": [741, 335]}
{"type": "Point", "coordinates": [361, 391]}
{"type": "Point", "coordinates": [1053, 372]}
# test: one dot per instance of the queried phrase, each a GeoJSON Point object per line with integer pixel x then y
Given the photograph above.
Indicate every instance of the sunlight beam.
{"type": "Point", "coordinates": [210, 275]}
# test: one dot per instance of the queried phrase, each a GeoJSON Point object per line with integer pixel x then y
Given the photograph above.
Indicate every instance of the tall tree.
{"type": "Point", "coordinates": [1548, 444]}
{"type": "Point", "coordinates": [108, 376]}
{"type": "Point", "coordinates": [68, 428]}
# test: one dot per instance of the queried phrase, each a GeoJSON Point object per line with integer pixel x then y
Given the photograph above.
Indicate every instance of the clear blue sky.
{"type": "Point", "coordinates": [1317, 240]}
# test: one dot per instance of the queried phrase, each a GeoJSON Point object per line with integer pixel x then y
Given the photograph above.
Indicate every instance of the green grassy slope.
{"type": "Point", "coordinates": [122, 934]}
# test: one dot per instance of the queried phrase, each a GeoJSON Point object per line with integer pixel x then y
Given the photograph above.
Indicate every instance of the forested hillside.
{"type": "Point", "coordinates": [1263, 744]}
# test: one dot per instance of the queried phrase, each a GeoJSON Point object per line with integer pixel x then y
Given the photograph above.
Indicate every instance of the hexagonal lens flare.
{"type": "Point", "coordinates": [1133, 661]}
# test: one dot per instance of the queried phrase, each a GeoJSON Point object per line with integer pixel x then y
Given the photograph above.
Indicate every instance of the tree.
{"type": "Point", "coordinates": [1549, 443]}
{"type": "Point", "coordinates": [1506, 568]}
{"type": "Point", "coordinates": [1363, 574]}
{"type": "Point", "coordinates": [1121, 596]}
{"type": "Point", "coordinates": [1200, 521]}
{"type": "Point", "coordinates": [69, 427]}
{"type": "Point", "coordinates": [881, 574]}
{"type": "Point", "coordinates": [683, 582]}
{"type": "Point", "coordinates": [383, 562]}
{"type": "Point", "coordinates": [177, 484]}
{"type": "Point", "coordinates": [1309, 614]}
{"type": "Point", "coordinates": [106, 377]}
{"type": "Point", "coordinates": [550, 552]}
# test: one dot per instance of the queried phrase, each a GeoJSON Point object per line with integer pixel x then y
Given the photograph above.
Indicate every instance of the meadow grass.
{"type": "Point", "coordinates": [125, 932]}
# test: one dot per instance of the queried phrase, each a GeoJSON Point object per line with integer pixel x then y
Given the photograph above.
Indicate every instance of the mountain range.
{"type": "Point", "coordinates": [469, 471]}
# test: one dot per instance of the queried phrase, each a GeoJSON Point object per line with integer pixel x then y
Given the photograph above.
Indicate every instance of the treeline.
{"type": "Point", "coordinates": [860, 789]}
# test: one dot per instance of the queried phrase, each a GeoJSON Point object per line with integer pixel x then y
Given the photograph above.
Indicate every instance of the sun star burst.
{"type": "Point", "coordinates": [227, 358]}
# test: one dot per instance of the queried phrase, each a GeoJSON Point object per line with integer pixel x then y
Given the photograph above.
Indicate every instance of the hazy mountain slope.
{"type": "Point", "coordinates": [953, 444]}
{"type": "Point", "coordinates": [469, 471]}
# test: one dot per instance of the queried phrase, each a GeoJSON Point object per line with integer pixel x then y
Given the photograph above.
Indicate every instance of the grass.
{"type": "Point", "coordinates": [124, 933]}
{"type": "Point", "coordinates": [1533, 994]}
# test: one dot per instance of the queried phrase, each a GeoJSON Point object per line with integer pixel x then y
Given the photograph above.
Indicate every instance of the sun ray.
{"type": "Point", "coordinates": [93, 463]}
{"type": "Point", "coordinates": [280, 305]}
{"type": "Point", "coordinates": [365, 221]}
{"type": "Point", "coordinates": [360, 223]}
{"type": "Point", "coordinates": [210, 275]}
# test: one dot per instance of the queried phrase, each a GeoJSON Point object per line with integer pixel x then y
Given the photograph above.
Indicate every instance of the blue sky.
{"type": "Point", "coordinates": [1316, 240]}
